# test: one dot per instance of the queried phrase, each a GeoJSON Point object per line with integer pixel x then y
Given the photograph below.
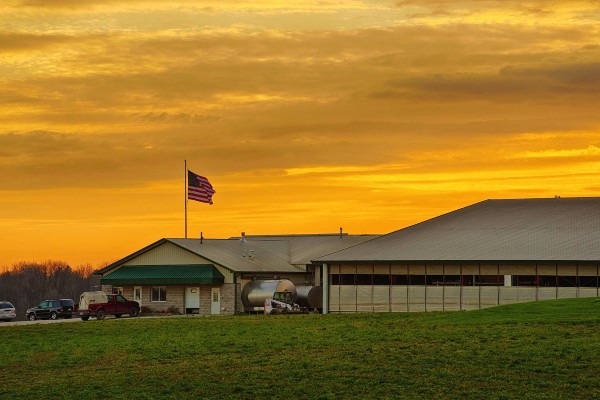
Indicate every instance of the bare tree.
{"type": "Point", "coordinates": [26, 284]}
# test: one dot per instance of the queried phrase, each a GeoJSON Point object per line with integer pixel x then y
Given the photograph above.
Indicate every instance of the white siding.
{"type": "Point", "coordinates": [399, 299]}
{"type": "Point", "coordinates": [170, 254]}
{"type": "Point", "coordinates": [347, 299]}
{"type": "Point", "coordinates": [488, 296]}
{"type": "Point", "coordinates": [451, 298]}
{"type": "Point", "coordinates": [435, 298]}
{"type": "Point", "coordinates": [470, 297]}
{"type": "Point", "coordinates": [381, 298]}
{"type": "Point", "coordinates": [364, 298]}
{"type": "Point", "coordinates": [334, 298]}
{"type": "Point", "coordinates": [416, 298]}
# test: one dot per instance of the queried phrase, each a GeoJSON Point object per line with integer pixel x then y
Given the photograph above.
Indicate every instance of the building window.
{"type": "Point", "coordinates": [467, 280]}
{"type": "Point", "coordinates": [489, 280]}
{"type": "Point", "coordinates": [347, 279]}
{"type": "Point", "coordinates": [381, 279]}
{"type": "Point", "coordinates": [416, 280]}
{"type": "Point", "coordinates": [364, 279]}
{"type": "Point", "coordinates": [117, 290]}
{"type": "Point", "coordinates": [567, 281]}
{"type": "Point", "coordinates": [588, 281]}
{"type": "Point", "coordinates": [435, 280]}
{"type": "Point", "coordinates": [159, 294]}
{"type": "Point", "coordinates": [547, 281]}
{"type": "Point", "coordinates": [400, 280]}
{"type": "Point", "coordinates": [452, 280]}
{"type": "Point", "coordinates": [524, 280]}
{"type": "Point", "coordinates": [334, 279]}
{"type": "Point", "coordinates": [447, 280]}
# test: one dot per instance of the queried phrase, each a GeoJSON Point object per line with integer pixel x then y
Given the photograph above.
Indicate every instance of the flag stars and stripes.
{"type": "Point", "coordinates": [199, 188]}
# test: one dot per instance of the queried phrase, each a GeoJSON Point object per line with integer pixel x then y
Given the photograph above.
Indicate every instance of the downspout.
{"type": "Point", "coordinates": [325, 289]}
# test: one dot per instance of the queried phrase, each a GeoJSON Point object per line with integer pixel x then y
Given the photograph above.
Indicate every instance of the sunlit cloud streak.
{"type": "Point", "coordinates": [306, 115]}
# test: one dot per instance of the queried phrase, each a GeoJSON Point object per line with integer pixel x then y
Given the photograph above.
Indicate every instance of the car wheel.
{"type": "Point", "coordinates": [134, 312]}
{"type": "Point", "coordinates": [118, 315]}
{"type": "Point", "coordinates": [31, 317]}
{"type": "Point", "coordinates": [53, 315]}
{"type": "Point", "coordinates": [85, 317]}
{"type": "Point", "coordinates": [101, 314]}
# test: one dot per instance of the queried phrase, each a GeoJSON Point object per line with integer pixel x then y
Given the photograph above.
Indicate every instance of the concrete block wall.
{"type": "Point", "coordinates": [205, 299]}
{"type": "Point", "coordinates": [176, 298]}
{"type": "Point", "coordinates": [228, 299]}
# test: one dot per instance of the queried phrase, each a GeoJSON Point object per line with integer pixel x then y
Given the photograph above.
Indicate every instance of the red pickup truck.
{"type": "Point", "coordinates": [100, 304]}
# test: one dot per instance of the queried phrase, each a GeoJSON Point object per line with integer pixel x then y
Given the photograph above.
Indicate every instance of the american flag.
{"type": "Point", "coordinates": [199, 188]}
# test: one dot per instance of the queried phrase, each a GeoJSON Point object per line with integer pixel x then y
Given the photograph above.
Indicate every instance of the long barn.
{"type": "Point", "coordinates": [207, 276]}
{"type": "Point", "coordinates": [491, 253]}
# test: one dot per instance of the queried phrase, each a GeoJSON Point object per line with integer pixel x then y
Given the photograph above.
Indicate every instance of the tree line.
{"type": "Point", "coordinates": [26, 284]}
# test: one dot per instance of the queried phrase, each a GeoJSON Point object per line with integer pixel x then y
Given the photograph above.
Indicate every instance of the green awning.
{"type": "Point", "coordinates": [164, 275]}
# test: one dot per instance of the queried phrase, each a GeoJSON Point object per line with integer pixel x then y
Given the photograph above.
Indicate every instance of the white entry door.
{"type": "Point", "coordinates": [192, 300]}
{"type": "Point", "coordinates": [137, 294]}
{"type": "Point", "coordinates": [215, 304]}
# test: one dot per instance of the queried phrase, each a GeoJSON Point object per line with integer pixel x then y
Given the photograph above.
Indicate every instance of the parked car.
{"type": "Point", "coordinates": [7, 311]}
{"type": "Point", "coordinates": [100, 304]}
{"type": "Point", "coordinates": [52, 309]}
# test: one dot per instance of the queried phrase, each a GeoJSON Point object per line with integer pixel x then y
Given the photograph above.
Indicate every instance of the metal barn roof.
{"type": "Point", "coordinates": [305, 248]}
{"type": "Point", "coordinates": [242, 256]}
{"type": "Point", "coordinates": [558, 229]}
{"type": "Point", "coordinates": [257, 254]}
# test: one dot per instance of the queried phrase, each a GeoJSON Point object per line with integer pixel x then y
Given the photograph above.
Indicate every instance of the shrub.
{"type": "Point", "coordinates": [146, 310]}
{"type": "Point", "coordinates": [173, 310]}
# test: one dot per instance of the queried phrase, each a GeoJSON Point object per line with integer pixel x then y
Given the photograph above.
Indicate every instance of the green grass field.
{"type": "Point", "coordinates": [543, 350]}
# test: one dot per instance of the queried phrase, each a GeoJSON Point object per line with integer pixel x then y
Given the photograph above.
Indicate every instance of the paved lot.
{"type": "Point", "coordinates": [39, 321]}
{"type": "Point", "coordinates": [77, 319]}
{"type": "Point", "coordinates": [49, 321]}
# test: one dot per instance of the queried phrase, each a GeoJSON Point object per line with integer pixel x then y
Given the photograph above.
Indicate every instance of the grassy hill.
{"type": "Point", "coordinates": [543, 350]}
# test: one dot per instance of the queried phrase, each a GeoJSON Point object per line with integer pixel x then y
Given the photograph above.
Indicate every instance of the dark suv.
{"type": "Point", "coordinates": [52, 309]}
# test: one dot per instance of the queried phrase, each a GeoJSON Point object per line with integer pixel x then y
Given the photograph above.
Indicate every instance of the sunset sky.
{"type": "Point", "coordinates": [306, 116]}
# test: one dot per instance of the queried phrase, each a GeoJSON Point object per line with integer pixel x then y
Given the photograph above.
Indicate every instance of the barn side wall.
{"type": "Point", "coordinates": [395, 287]}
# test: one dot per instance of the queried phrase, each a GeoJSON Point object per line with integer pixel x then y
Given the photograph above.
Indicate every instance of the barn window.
{"type": "Point", "coordinates": [547, 281]}
{"type": "Point", "coordinates": [381, 279]}
{"type": "Point", "coordinates": [567, 281]}
{"type": "Point", "coordinates": [364, 279]}
{"type": "Point", "coordinates": [524, 280]}
{"type": "Point", "coordinates": [418, 280]}
{"type": "Point", "coordinates": [159, 294]}
{"type": "Point", "coordinates": [467, 280]}
{"type": "Point", "coordinates": [434, 280]}
{"type": "Point", "coordinates": [452, 280]}
{"type": "Point", "coordinates": [117, 290]}
{"type": "Point", "coordinates": [489, 280]}
{"type": "Point", "coordinates": [346, 279]}
{"type": "Point", "coordinates": [400, 280]}
{"type": "Point", "coordinates": [588, 281]}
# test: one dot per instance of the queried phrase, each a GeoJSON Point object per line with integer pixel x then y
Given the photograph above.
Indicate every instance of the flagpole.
{"type": "Point", "coordinates": [185, 194]}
